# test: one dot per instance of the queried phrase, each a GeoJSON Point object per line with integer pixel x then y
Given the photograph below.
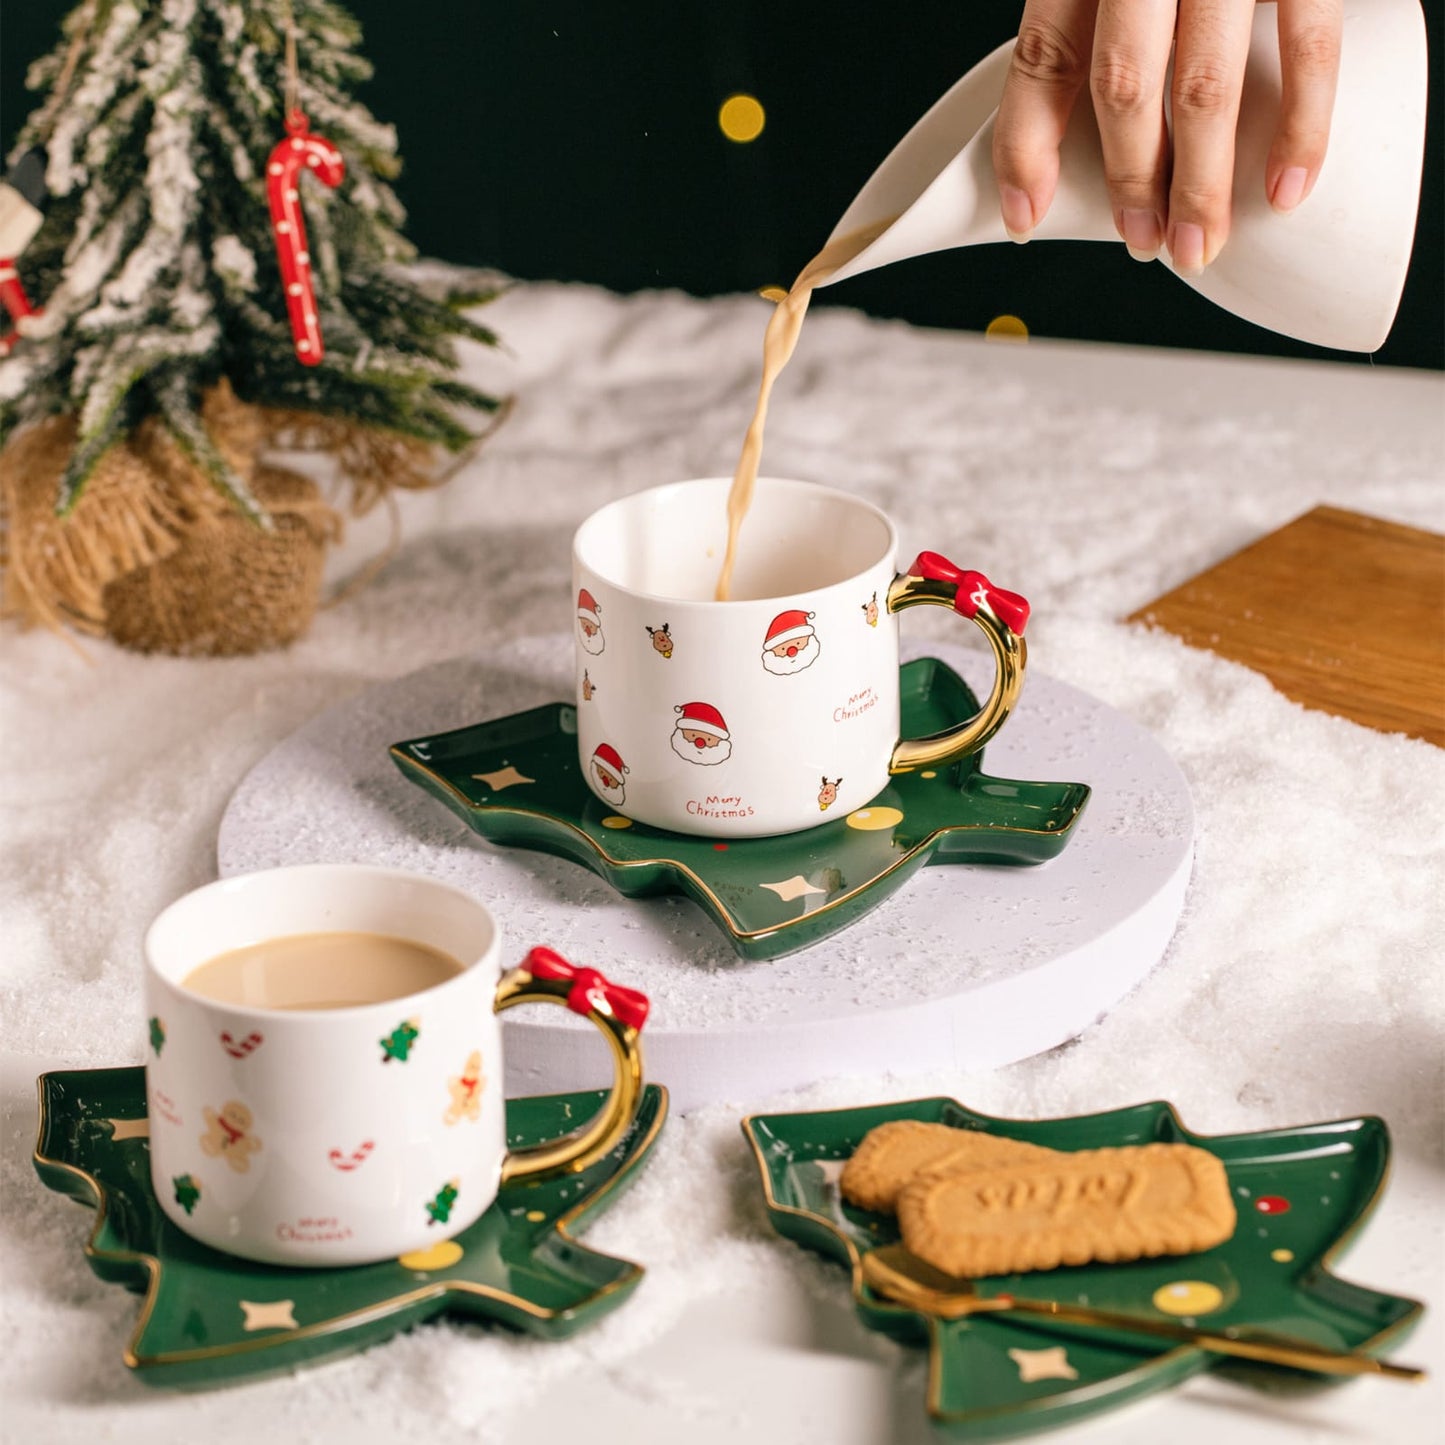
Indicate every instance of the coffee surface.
{"type": "Point", "coordinates": [321, 971]}
{"type": "Point", "coordinates": [779, 342]}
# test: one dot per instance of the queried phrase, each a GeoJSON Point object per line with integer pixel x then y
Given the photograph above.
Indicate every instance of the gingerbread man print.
{"type": "Point", "coordinates": [228, 1135]}
{"type": "Point", "coordinates": [466, 1092]}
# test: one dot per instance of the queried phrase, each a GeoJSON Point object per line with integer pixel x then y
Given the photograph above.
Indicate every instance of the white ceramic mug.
{"type": "Point", "coordinates": [777, 710]}
{"type": "Point", "coordinates": [351, 1135]}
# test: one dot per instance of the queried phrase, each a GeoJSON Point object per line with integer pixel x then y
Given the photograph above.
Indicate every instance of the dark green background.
{"type": "Point", "coordinates": [578, 139]}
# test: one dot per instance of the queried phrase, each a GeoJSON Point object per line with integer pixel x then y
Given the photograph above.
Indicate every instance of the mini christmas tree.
{"type": "Point", "coordinates": [162, 308]}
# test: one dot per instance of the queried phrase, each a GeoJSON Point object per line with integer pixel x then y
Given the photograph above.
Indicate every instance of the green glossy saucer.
{"type": "Point", "coordinates": [1301, 1194]}
{"type": "Point", "coordinates": [516, 780]}
{"type": "Point", "coordinates": [209, 1319]}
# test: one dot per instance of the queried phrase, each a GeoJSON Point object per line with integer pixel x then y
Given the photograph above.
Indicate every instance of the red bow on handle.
{"type": "Point", "coordinates": [590, 989]}
{"type": "Point", "coordinates": [974, 591]}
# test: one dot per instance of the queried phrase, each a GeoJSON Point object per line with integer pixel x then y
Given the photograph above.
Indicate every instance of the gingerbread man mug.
{"type": "Point", "coordinates": [333, 1095]}
{"type": "Point", "coordinates": [778, 709]}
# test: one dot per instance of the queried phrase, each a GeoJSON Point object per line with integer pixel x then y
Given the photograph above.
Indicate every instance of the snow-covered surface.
{"type": "Point", "coordinates": [1304, 982]}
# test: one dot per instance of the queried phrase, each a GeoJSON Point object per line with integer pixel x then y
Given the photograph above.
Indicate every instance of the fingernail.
{"type": "Point", "coordinates": [1018, 213]}
{"type": "Point", "coordinates": [1186, 250]}
{"type": "Point", "coordinates": [1289, 189]}
{"type": "Point", "coordinates": [1142, 234]}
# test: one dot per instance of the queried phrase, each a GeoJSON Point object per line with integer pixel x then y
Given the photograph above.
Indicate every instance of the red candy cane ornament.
{"type": "Point", "coordinates": [300, 150]}
{"type": "Point", "coordinates": [16, 302]}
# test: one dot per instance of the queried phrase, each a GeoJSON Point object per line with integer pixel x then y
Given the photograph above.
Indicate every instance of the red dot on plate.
{"type": "Point", "coordinates": [720, 847]}
{"type": "Point", "coordinates": [1272, 1204]}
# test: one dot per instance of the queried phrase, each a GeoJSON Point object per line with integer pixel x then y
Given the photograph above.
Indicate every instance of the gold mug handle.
{"type": "Point", "coordinates": [1001, 616]}
{"type": "Point", "coordinates": [547, 977]}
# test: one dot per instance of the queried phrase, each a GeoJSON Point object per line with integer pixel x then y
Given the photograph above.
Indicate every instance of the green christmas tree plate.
{"type": "Point", "coordinates": [209, 1319]}
{"type": "Point", "coordinates": [1301, 1194]}
{"type": "Point", "coordinates": [516, 780]}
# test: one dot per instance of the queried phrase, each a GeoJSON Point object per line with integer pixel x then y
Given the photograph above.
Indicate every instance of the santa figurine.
{"type": "Point", "coordinates": [701, 735]}
{"type": "Point", "coordinates": [608, 771]}
{"type": "Point", "coordinates": [589, 623]}
{"type": "Point", "coordinates": [791, 643]}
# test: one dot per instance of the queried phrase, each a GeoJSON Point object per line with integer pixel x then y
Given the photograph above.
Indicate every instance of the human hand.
{"type": "Point", "coordinates": [1177, 195]}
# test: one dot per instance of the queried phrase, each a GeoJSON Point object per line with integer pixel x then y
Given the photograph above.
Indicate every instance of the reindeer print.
{"type": "Point", "coordinates": [828, 793]}
{"type": "Point", "coordinates": [661, 638]}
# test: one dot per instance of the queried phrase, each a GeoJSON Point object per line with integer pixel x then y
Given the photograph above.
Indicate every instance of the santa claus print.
{"type": "Point", "coordinates": [608, 772]}
{"type": "Point", "coordinates": [589, 623]}
{"type": "Point", "coordinates": [791, 643]}
{"type": "Point", "coordinates": [700, 735]}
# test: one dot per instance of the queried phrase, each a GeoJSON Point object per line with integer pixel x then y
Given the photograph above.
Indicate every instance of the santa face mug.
{"type": "Point", "coordinates": [291, 1124]}
{"type": "Point", "coordinates": [776, 710]}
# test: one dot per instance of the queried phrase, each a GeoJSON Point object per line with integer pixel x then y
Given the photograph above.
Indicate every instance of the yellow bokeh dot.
{"type": "Point", "coordinates": [774, 293]}
{"type": "Point", "coordinates": [439, 1256]}
{"type": "Point", "coordinates": [741, 118]}
{"type": "Point", "coordinates": [535, 1214]}
{"type": "Point", "coordinates": [1188, 1297]}
{"type": "Point", "coordinates": [872, 820]}
{"type": "Point", "coordinates": [1006, 328]}
{"type": "Point", "coordinates": [1281, 1256]}
{"type": "Point", "coordinates": [929, 774]}
{"type": "Point", "coordinates": [617, 821]}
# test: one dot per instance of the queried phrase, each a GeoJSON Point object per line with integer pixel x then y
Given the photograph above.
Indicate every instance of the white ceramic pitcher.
{"type": "Point", "coordinates": [1330, 272]}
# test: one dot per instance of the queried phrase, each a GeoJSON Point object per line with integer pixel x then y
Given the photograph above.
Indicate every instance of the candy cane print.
{"type": "Point", "coordinates": [354, 1160]}
{"type": "Point", "coordinates": [283, 170]}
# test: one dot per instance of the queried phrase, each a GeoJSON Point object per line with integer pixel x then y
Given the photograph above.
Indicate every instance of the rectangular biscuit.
{"type": "Point", "coordinates": [1107, 1205]}
{"type": "Point", "coordinates": [894, 1154]}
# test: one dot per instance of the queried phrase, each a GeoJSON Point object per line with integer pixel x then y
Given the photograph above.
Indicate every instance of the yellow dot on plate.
{"type": "Point", "coordinates": [741, 118]}
{"type": "Point", "coordinates": [1281, 1256]}
{"type": "Point", "coordinates": [439, 1256]}
{"type": "Point", "coordinates": [929, 774]}
{"type": "Point", "coordinates": [535, 1214]}
{"type": "Point", "coordinates": [774, 293]}
{"type": "Point", "coordinates": [874, 820]}
{"type": "Point", "coordinates": [617, 821]}
{"type": "Point", "coordinates": [1006, 328]}
{"type": "Point", "coordinates": [1188, 1297]}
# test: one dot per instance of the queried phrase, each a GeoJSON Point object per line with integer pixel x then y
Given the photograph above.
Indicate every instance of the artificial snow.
{"type": "Point", "coordinates": [1304, 981]}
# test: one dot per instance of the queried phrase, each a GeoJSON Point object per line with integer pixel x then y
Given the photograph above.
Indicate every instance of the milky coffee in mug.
{"type": "Point", "coordinates": [324, 1063]}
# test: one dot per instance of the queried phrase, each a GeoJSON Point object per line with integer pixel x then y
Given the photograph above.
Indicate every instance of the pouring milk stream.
{"type": "Point", "coordinates": [1330, 272]}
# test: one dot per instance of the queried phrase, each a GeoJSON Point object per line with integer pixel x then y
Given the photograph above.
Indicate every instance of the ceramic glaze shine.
{"type": "Point", "coordinates": [779, 342]}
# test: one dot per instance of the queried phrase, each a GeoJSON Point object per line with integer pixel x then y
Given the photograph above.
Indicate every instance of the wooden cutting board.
{"type": "Point", "coordinates": [1340, 611]}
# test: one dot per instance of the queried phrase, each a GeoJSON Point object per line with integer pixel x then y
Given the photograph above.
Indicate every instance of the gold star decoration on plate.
{"type": "Point", "coordinates": [268, 1314]}
{"type": "Point", "coordinates": [1050, 1364]}
{"type": "Point", "coordinates": [507, 777]}
{"type": "Point", "coordinates": [795, 887]}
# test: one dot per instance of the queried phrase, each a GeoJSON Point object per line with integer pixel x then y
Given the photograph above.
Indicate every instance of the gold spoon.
{"type": "Point", "coordinates": [901, 1276]}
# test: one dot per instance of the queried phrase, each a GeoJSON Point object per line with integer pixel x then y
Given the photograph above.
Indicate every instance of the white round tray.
{"type": "Point", "coordinates": [966, 967]}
